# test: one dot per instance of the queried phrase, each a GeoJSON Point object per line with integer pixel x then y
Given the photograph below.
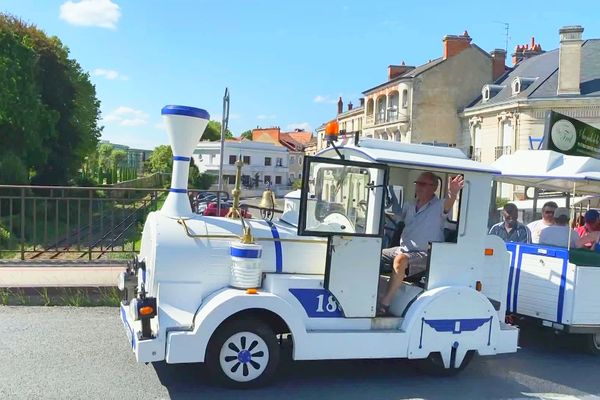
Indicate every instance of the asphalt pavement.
{"type": "Point", "coordinates": [82, 353]}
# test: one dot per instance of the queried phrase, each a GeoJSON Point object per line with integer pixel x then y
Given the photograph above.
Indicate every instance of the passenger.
{"type": "Point", "coordinates": [423, 223]}
{"type": "Point", "coordinates": [511, 230]}
{"type": "Point", "coordinates": [558, 234]}
{"type": "Point", "coordinates": [588, 233]}
{"type": "Point", "coordinates": [536, 227]}
{"type": "Point", "coordinates": [591, 220]}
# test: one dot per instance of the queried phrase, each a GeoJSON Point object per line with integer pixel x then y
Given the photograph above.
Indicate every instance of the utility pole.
{"type": "Point", "coordinates": [224, 123]}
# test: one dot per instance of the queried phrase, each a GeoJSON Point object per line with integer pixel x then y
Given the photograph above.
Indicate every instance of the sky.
{"type": "Point", "coordinates": [285, 62]}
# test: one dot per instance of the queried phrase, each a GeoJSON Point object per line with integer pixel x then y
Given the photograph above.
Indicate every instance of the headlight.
{"type": "Point", "coordinates": [121, 281]}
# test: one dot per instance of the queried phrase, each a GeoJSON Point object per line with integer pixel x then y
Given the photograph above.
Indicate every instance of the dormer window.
{"type": "Point", "coordinates": [516, 86]}
{"type": "Point", "coordinates": [520, 84]}
{"type": "Point", "coordinates": [485, 93]}
{"type": "Point", "coordinates": [489, 91]}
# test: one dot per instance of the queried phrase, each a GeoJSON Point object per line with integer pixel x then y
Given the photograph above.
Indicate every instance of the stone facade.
{"type": "Point", "coordinates": [511, 115]}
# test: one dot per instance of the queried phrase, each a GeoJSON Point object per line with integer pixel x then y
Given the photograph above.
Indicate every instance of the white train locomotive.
{"type": "Point", "coordinates": [225, 291]}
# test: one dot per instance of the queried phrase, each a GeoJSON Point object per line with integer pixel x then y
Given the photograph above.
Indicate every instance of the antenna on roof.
{"type": "Point", "coordinates": [506, 28]}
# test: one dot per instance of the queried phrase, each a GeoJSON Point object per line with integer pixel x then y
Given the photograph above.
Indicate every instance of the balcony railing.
{"type": "Point", "coordinates": [476, 156]}
{"type": "Point", "coordinates": [502, 150]}
{"type": "Point", "coordinates": [380, 118]}
{"type": "Point", "coordinates": [369, 119]}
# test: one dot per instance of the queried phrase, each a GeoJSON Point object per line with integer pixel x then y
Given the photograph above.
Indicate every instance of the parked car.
{"type": "Point", "coordinates": [211, 210]}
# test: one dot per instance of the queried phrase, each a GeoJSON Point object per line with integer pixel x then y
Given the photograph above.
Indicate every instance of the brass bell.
{"type": "Point", "coordinates": [267, 201]}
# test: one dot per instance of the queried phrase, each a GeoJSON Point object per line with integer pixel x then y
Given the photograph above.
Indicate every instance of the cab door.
{"type": "Point", "coordinates": [344, 201]}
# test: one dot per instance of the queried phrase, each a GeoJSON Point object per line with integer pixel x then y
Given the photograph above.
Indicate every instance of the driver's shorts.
{"type": "Point", "coordinates": [417, 260]}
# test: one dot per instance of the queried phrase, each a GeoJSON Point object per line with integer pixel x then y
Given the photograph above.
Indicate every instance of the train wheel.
{"type": "Point", "coordinates": [591, 343]}
{"type": "Point", "coordinates": [433, 364]}
{"type": "Point", "coordinates": [242, 354]}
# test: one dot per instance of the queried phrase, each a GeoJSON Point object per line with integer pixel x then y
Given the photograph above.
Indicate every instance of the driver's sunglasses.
{"type": "Point", "coordinates": [549, 212]}
{"type": "Point", "coordinates": [421, 183]}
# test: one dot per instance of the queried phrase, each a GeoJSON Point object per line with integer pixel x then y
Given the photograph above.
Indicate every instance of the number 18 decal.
{"type": "Point", "coordinates": [318, 303]}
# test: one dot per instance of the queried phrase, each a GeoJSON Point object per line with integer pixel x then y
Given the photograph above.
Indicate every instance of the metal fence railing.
{"type": "Point", "coordinates": [48, 222]}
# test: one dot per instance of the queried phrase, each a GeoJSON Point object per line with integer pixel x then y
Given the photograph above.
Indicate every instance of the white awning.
{"type": "Point", "coordinates": [550, 170]}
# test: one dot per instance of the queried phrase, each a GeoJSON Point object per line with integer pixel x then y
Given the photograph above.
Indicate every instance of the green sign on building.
{"type": "Point", "coordinates": [570, 136]}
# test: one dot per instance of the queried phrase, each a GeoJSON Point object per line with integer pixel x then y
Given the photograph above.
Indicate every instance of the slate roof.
{"type": "Point", "coordinates": [544, 67]}
{"type": "Point", "coordinates": [410, 74]}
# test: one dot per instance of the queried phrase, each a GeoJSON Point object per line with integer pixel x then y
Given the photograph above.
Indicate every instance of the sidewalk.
{"type": "Point", "coordinates": [67, 273]}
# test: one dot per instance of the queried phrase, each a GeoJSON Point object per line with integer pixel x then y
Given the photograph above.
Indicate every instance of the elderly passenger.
{"type": "Point", "coordinates": [424, 220]}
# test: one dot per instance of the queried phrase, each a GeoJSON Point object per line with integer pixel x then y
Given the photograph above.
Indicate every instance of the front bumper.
{"type": "Point", "coordinates": [146, 350]}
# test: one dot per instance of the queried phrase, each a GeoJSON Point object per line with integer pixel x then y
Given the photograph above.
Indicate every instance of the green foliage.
{"type": "Point", "coordinates": [104, 152]}
{"type": "Point", "coordinates": [45, 297]}
{"type": "Point", "coordinates": [501, 202]}
{"type": "Point", "coordinates": [4, 296]}
{"type": "Point", "coordinates": [48, 107]}
{"type": "Point", "coordinates": [4, 235]}
{"type": "Point", "coordinates": [213, 132]}
{"type": "Point", "coordinates": [12, 170]}
{"type": "Point", "coordinates": [246, 134]}
{"type": "Point", "coordinates": [297, 184]}
{"type": "Point", "coordinates": [161, 159]}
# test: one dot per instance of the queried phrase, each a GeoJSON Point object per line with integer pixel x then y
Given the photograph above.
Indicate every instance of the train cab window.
{"type": "Point", "coordinates": [342, 198]}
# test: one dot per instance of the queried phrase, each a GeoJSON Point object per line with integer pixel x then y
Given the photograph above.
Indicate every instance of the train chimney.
{"type": "Point", "coordinates": [185, 126]}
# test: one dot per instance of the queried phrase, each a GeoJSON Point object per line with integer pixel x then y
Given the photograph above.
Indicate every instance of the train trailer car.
{"type": "Point", "coordinates": [555, 286]}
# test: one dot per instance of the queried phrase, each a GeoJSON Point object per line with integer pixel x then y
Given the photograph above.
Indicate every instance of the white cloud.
{"type": "Point", "coordinates": [325, 99]}
{"type": "Point", "coordinates": [109, 74]}
{"type": "Point", "coordinates": [299, 125]}
{"type": "Point", "coordinates": [161, 126]}
{"type": "Point", "coordinates": [265, 116]}
{"type": "Point", "coordinates": [100, 13]}
{"type": "Point", "coordinates": [126, 116]}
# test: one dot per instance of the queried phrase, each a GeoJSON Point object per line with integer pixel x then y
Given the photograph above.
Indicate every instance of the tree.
{"type": "Point", "coordinates": [161, 159]}
{"type": "Point", "coordinates": [246, 134]}
{"type": "Point", "coordinates": [104, 155]}
{"type": "Point", "coordinates": [118, 158]}
{"type": "Point", "coordinates": [213, 132]}
{"type": "Point", "coordinates": [48, 107]}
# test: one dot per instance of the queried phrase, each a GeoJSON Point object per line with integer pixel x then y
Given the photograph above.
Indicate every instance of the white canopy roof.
{"type": "Point", "coordinates": [550, 170]}
{"type": "Point", "coordinates": [395, 153]}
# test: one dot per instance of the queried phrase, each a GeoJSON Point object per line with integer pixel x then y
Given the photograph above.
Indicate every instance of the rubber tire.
{"type": "Point", "coordinates": [434, 366]}
{"type": "Point", "coordinates": [591, 343]}
{"type": "Point", "coordinates": [223, 333]}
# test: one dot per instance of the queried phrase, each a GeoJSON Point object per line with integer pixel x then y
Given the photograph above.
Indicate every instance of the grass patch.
{"type": "Point", "coordinates": [4, 296]}
{"type": "Point", "coordinates": [60, 296]}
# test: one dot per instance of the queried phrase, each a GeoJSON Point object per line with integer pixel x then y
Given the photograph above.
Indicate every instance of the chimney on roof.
{"type": "Point", "coordinates": [395, 71]}
{"type": "Point", "coordinates": [525, 51]}
{"type": "Point", "coordinates": [349, 106]}
{"type": "Point", "coordinates": [498, 63]}
{"type": "Point", "coordinates": [454, 44]}
{"type": "Point", "coordinates": [362, 101]}
{"type": "Point", "coordinates": [569, 60]}
{"type": "Point", "coordinates": [340, 105]}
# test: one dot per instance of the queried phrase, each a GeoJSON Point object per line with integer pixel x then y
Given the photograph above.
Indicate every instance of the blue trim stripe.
{"type": "Point", "coordinates": [278, 249]}
{"type": "Point", "coordinates": [245, 253]}
{"type": "Point", "coordinates": [173, 190]}
{"type": "Point", "coordinates": [517, 278]}
{"type": "Point", "coordinates": [512, 247]}
{"type": "Point", "coordinates": [180, 158]}
{"type": "Point", "coordinates": [185, 111]}
{"type": "Point", "coordinates": [561, 290]}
